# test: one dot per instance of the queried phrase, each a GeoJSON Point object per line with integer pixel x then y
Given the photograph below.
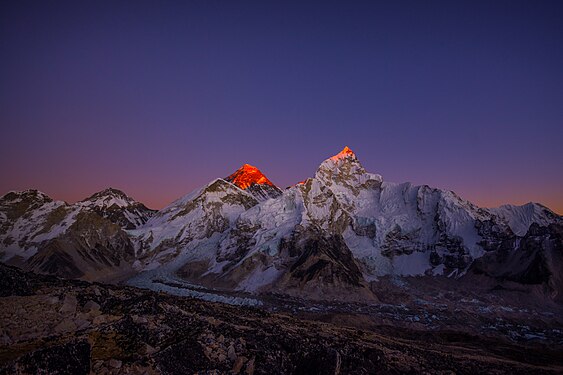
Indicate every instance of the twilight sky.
{"type": "Point", "coordinates": [157, 98]}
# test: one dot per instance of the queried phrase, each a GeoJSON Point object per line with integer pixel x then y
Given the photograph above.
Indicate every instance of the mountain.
{"type": "Point", "coordinates": [67, 240]}
{"type": "Point", "coordinates": [250, 178]}
{"type": "Point", "coordinates": [363, 268]}
{"type": "Point", "coordinates": [28, 219]}
{"type": "Point", "coordinates": [333, 236]}
{"type": "Point", "coordinates": [194, 221]}
{"type": "Point", "coordinates": [119, 208]}
{"type": "Point", "coordinates": [520, 218]}
{"type": "Point", "coordinates": [534, 261]}
{"type": "Point", "coordinates": [330, 236]}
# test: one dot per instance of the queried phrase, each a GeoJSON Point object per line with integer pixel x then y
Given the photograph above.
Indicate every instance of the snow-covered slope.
{"type": "Point", "coordinates": [119, 208]}
{"type": "Point", "coordinates": [326, 237]}
{"type": "Point", "coordinates": [380, 228]}
{"type": "Point", "coordinates": [47, 236]}
{"type": "Point", "coordinates": [520, 218]}
{"type": "Point", "coordinates": [388, 228]}
{"type": "Point", "coordinates": [196, 219]}
{"type": "Point", "coordinates": [29, 218]}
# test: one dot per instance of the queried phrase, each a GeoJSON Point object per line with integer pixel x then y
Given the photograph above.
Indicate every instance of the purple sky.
{"type": "Point", "coordinates": [157, 98]}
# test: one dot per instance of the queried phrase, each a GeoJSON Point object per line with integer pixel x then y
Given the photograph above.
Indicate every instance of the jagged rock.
{"type": "Point", "coordinates": [97, 365]}
{"type": "Point", "coordinates": [231, 353]}
{"type": "Point", "coordinates": [115, 363]}
{"type": "Point", "coordinates": [69, 304]}
{"type": "Point", "coordinates": [91, 307]}
{"type": "Point", "coordinates": [250, 367]}
{"type": "Point", "coordinates": [81, 323]}
{"type": "Point", "coordinates": [149, 350]}
{"type": "Point", "coordinates": [139, 319]}
{"type": "Point", "coordinates": [100, 319]}
{"type": "Point", "coordinates": [66, 325]}
{"type": "Point", "coordinates": [5, 340]}
{"type": "Point", "coordinates": [237, 366]}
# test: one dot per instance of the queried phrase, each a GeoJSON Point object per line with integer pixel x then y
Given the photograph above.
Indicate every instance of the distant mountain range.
{"type": "Point", "coordinates": [330, 236]}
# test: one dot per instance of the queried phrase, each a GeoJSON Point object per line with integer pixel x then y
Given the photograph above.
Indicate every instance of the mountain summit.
{"type": "Point", "coordinates": [250, 178]}
{"type": "Point", "coordinates": [346, 152]}
{"type": "Point", "coordinates": [247, 175]}
{"type": "Point", "coordinates": [108, 197]}
{"type": "Point", "coordinates": [345, 170]}
{"type": "Point", "coordinates": [118, 207]}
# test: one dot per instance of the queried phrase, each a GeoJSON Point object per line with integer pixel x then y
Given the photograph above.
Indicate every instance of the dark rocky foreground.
{"type": "Point", "coordinates": [53, 326]}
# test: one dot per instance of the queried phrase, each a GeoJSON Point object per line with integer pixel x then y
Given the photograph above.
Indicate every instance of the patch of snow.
{"type": "Point", "coordinates": [520, 218]}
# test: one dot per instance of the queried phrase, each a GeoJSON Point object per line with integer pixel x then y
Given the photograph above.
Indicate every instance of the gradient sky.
{"type": "Point", "coordinates": [157, 98]}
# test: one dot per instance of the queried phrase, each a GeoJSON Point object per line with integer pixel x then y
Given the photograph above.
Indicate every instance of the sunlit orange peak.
{"type": "Point", "coordinates": [346, 151]}
{"type": "Point", "coordinates": [247, 175]}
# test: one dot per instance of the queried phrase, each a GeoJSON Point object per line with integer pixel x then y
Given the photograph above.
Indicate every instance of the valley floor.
{"type": "Point", "coordinates": [57, 326]}
{"type": "Point", "coordinates": [512, 312]}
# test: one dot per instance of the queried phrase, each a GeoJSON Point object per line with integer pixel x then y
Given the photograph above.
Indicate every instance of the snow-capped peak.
{"type": "Point", "coordinates": [118, 207]}
{"type": "Point", "coordinates": [29, 194]}
{"type": "Point", "coordinates": [108, 198]}
{"type": "Point", "coordinates": [520, 218]}
{"type": "Point", "coordinates": [344, 167]}
{"type": "Point", "coordinates": [247, 175]}
{"type": "Point", "coordinates": [345, 153]}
